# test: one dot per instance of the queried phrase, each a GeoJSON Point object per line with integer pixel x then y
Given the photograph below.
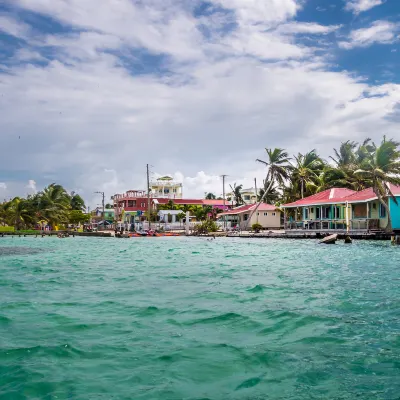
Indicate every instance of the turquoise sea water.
{"type": "Point", "coordinates": [187, 318]}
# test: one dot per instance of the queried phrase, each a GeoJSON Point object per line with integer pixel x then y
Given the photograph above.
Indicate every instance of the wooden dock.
{"type": "Point", "coordinates": [307, 234]}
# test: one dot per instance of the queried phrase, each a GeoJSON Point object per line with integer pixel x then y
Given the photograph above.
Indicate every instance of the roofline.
{"type": "Point", "coordinates": [330, 203]}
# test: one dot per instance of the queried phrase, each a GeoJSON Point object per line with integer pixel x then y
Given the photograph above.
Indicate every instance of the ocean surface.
{"type": "Point", "coordinates": [187, 318]}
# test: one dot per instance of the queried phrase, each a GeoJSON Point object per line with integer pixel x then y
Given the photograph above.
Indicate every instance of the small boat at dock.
{"type": "Point", "coordinates": [331, 239]}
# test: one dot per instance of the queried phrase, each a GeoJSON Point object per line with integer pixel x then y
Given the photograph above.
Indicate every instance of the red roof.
{"type": "Point", "coordinates": [249, 207]}
{"type": "Point", "coordinates": [368, 194]}
{"type": "Point", "coordinates": [340, 195]}
{"type": "Point", "coordinates": [180, 201]}
{"type": "Point", "coordinates": [330, 196]}
{"type": "Point", "coordinates": [215, 202]}
{"type": "Point", "coordinates": [200, 202]}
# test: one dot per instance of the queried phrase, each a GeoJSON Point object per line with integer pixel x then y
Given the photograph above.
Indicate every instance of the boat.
{"type": "Point", "coordinates": [122, 235]}
{"type": "Point", "coordinates": [331, 239]}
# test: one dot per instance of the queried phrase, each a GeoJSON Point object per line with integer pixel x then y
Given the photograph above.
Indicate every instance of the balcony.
{"type": "Point", "coordinates": [328, 225]}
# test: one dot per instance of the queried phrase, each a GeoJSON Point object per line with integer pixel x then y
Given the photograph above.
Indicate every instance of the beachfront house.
{"type": "Point", "coordinates": [267, 215]}
{"type": "Point", "coordinates": [342, 209]}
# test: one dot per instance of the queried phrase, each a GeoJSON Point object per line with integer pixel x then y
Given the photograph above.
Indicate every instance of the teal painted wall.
{"type": "Point", "coordinates": [395, 212]}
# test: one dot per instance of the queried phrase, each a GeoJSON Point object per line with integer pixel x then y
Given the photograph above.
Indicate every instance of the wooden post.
{"type": "Point", "coordinates": [284, 218]}
{"type": "Point", "coordinates": [367, 217]}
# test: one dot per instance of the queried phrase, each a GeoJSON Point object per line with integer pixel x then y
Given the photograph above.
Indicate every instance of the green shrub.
{"type": "Point", "coordinates": [206, 227]}
{"type": "Point", "coordinates": [256, 227]}
{"type": "Point", "coordinates": [7, 229]}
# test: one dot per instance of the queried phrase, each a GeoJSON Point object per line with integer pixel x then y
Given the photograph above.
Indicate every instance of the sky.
{"type": "Point", "coordinates": [91, 92]}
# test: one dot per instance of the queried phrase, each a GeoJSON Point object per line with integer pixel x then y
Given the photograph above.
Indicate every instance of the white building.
{"type": "Point", "coordinates": [166, 187]}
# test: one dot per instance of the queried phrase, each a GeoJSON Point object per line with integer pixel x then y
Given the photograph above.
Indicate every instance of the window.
{"type": "Point", "coordinates": [247, 197]}
{"type": "Point", "coordinates": [317, 212]}
{"type": "Point", "coordinates": [246, 217]}
{"type": "Point", "coordinates": [336, 212]}
{"type": "Point", "coordinates": [273, 214]}
{"type": "Point", "coordinates": [312, 210]}
{"type": "Point", "coordinates": [326, 212]}
{"type": "Point", "coordinates": [382, 211]}
{"type": "Point", "coordinates": [266, 214]}
{"type": "Point", "coordinates": [305, 213]}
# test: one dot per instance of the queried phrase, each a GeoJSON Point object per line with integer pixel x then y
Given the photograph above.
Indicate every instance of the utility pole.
{"type": "Point", "coordinates": [223, 196]}
{"type": "Point", "coordinates": [102, 203]}
{"type": "Point", "coordinates": [255, 185]}
{"type": "Point", "coordinates": [148, 195]}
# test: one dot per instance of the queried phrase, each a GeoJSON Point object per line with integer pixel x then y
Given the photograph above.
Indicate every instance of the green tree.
{"type": "Point", "coordinates": [382, 167]}
{"type": "Point", "coordinates": [77, 217]}
{"type": "Point", "coordinates": [237, 194]}
{"type": "Point", "coordinates": [18, 213]}
{"type": "Point", "coordinates": [306, 170]}
{"type": "Point", "coordinates": [76, 202]}
{"type": "Point", "coordinates": [54, 203]}
{"type": "Point", "coordinates": [210, 196]}
{"type": "Point", "coordinates": [278, 172]}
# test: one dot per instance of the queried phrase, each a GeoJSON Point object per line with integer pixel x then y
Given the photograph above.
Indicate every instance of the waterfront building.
{"type": "Point", "coordinates": [267, 215]}
{"type": "Point", "coordinates": [341, 210]}
{"type": "Point", "coordinates": [166, 187]}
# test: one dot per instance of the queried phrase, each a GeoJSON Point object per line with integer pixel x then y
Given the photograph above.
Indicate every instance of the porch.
{"type": "Point", "coordinates": [327, 225]}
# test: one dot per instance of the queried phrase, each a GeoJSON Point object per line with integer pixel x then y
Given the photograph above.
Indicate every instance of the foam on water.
{"type": "Point", "coordinates": [185, 318]}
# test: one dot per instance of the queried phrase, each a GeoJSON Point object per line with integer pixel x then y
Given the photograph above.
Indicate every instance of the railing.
{"type": "Point", "coordinates": [356, 224]}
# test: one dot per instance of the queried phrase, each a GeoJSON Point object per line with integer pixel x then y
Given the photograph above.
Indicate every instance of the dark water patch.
{"type": "Point", "coordinates": [19, 251]}
{"type": "Point", "coordinates": [153, 310]}
{"type": "Point", "coordinates": [4, 320]}
{"type": "Point", "coordinates": [257, 289]}
{"type": "Point", "coordinates": [249, 383]}
{"type": "Point", "coordinates": [226, 319]}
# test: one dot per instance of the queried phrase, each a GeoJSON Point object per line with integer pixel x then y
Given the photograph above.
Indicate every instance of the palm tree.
{"type": "Point", "coordinates": [210, 196]}
{"type": "Point", "coordinates": [271, 197]}
{"type": "Point", "coordinates": [345, 156]}
{"type": "Point", "coordinates": [278, 165]}
{"type": "Point", "coordinates": [77, 203]}
{"type": "Point", "coordinates": [382, 167]}
{"type": "Point", "coordinates": [54, 203]}
{"type": "Point", "coordinates": [237, 194]}
{"type": "Point", "coordinates": [306, 170]}
{"type": "Point", "coordinates": [18, 213]}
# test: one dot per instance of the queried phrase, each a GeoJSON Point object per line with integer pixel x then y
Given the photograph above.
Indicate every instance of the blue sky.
{"type": "Point", "coordinates": [92, 92]}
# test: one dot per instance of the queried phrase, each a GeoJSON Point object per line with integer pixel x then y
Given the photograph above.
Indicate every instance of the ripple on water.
{"type": "Point", "coordinates": [183, 319]}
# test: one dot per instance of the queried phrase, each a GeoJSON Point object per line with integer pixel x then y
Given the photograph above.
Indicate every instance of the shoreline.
{"type": "Point", "coordinates": [244, 235]}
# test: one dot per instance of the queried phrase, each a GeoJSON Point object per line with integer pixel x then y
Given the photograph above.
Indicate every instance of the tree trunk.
{"type": "Point", "coordinates": [261, 200]}
{"type": "Point", "coordinates": [302, 189]}
{"type": "Point", "coordinates": [389, 224]}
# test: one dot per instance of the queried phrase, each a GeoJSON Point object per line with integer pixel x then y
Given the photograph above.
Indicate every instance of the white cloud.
{"type": "Point", "coordinates": [3, 185]}
{"type": "Point", "coordinates": [28, 55]}
{"type": "Point", "coordinates": [306, 28]}
{"type": "Point", "coordinates": [383, 32]}
{"type": "Point", "coordinates": [13, 27]}
{"type": "Point", "coordinates": [266, 11]}
{"type": "Point", "coordinates": [93, 117]}
{"type": "Point", "coordinates": [358, 6]}
{"type": "Point", "coordinates": [31, 185]}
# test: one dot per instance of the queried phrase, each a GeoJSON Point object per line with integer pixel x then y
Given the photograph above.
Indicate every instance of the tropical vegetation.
{"type": "Point", "coordinates": [354, 166]}
{"type": "Point", "coordinates": [52, 206]}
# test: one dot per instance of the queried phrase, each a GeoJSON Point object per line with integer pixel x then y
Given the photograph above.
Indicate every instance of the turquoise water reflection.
{"type": "Point", "coordinates": [185, 318]}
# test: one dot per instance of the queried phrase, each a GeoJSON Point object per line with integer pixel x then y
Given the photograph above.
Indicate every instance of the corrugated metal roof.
{"type": "Point", "coordinates": [327, 196]}
{"type": "Point", "coordinates": [340, 195]}
{"type": "Point", "coordinates": [249, 207]}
